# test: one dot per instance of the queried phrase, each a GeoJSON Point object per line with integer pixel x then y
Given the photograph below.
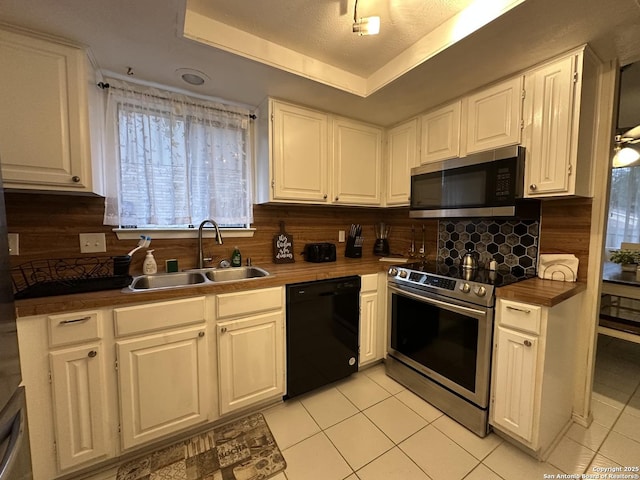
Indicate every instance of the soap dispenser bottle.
{"type": "Point", "coordinates": [236, 257]}
{"type": "Point", "coordinates": [149, 266]}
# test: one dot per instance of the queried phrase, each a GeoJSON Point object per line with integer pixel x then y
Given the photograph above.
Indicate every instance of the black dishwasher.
{"type": "Point", "coordinates": [322, 332]}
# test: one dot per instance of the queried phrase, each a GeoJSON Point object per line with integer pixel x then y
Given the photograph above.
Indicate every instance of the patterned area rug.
{"type": "Point", "coordinates": [241, 450]}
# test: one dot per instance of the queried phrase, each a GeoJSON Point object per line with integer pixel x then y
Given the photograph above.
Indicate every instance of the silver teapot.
{"type": "Point", "coordinates": [469, 260]}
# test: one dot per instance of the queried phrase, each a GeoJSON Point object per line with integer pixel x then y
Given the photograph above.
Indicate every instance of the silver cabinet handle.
{"type": "Point", "coordinates": [523, 310]}
{"type": "Point", "coordinates": [201, 334]}
{"type": "Point", "coordinates": [76, 179]}
{"type": "Point", "coordinates": [75, 320]}
{"type": "Point", "coordinates": [325, 196]}
{"type": "Point", "coordinates": [533, 186]}
{"type": "Point", "coordinates": [527, 343]}
{"type": "Point", "coordinates": [92, 354]}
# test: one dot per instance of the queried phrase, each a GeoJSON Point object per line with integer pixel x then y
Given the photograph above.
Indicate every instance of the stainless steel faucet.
{"type": "Point", "coordinates": [201, 258]}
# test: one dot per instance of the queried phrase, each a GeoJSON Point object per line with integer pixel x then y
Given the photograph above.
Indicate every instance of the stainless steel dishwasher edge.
{"type": "Point", "coordinates": [323, 324]}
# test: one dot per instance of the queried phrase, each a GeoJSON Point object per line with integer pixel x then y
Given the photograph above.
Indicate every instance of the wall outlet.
{"type": "Point", "coordinates": [92, 243]}
{"type": "Point", "coordinates": [341, 236]}
{"type": "Point", "coordinates": [14, 244]}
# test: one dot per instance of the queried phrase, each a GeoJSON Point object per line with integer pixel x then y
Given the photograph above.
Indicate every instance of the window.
{"type": "Point", "coordinates": [178, 160]}
{"type": "Point", "coordinates": [623, 224]}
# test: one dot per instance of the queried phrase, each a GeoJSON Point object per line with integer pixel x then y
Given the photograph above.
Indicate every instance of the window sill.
{"type": "Point", "coordinates": [171, 233]}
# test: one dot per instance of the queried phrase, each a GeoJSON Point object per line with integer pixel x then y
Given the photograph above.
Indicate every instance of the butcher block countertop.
{"type": "Point", "coordinates": [280, 275]}
{"type": "Point", "coordinates": [537, 291]}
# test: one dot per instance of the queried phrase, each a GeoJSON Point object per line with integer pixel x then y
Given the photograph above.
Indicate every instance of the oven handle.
{"type": "Point", "coordinates": [439, 303]}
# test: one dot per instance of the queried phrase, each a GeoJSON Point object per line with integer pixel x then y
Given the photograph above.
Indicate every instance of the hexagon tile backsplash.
{"type": "Point", "coordinates": [513, 244]}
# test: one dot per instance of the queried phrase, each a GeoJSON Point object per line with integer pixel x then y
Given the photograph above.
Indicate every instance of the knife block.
{"type": "Point", "coordinates": [354, 247]}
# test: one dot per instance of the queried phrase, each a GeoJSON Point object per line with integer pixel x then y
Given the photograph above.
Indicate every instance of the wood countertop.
{"type": "Point", "coordinates": [537, 291]}
{"type": "Point", "coordinates": [280, 275]}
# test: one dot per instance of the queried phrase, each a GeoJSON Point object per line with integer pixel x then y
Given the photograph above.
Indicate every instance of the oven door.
{"type": "Point", "coordinates": [447, 341]}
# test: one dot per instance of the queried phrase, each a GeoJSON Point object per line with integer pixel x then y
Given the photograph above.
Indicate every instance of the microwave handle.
{"type": "Point", "coordinates": [438, 303]}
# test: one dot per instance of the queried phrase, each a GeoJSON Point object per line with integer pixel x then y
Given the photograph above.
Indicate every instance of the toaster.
{"type": "Point", "coordinates": [319, 252]}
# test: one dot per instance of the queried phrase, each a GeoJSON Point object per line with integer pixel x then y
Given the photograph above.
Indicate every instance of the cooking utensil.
{"type": "Point", "coordinates": [470, 260]}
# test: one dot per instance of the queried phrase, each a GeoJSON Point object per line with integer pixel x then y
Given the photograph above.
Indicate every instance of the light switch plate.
{"type": "Point", "coordinates": [340, 236]}
{"type": "Point", "coordinates": [93, 243]}
{"type": "Point", "coordinates": [14, 244]}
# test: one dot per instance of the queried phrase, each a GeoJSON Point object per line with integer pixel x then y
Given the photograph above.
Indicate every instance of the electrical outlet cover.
{"type": "Point", "coordinates": [14, 244]}
{"type": "Point", "coordinates": [92, 243]}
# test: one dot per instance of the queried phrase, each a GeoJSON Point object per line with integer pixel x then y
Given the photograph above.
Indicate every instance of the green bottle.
{"type": "Point", "coordinates": [236, 257]}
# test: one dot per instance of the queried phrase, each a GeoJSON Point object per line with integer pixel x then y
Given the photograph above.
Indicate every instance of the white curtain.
{"type": "Point", "coordinates": [174, 160]}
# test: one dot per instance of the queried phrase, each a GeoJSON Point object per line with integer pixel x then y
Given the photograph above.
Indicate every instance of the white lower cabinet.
{"type": "Point", "coordinates": [164, 384]}
{"type": "Point", "coordinates": [532, 373]}
{"type": "Point", "coordinates": [78, 387]}
{"type": "Point", "coordinates": [163, 368]}
{"type": "Point", "coordinates": [64, 360]}
{"type": "Point", "coordinates": [251, 354]}
{"type": "Point", "coordinates": [515, 373]}
{"type": "Point", "coordinates": [372, 333]}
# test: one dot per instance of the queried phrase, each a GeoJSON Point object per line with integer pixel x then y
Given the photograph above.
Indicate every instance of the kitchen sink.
{"type": "Point", "coordinates": [231, 274]}
{"type": "Point", "coordinates": [204, 276]}
{"type": "Point", "coordinates": [166, 280]}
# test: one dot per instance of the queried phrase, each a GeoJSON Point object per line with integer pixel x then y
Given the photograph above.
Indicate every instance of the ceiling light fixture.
{"type": "Point", "coordinates": [365, 25]}
{"type": "Point", "coordinates": [192, 77]}
{"type": "Point", "coordinates": [626, 154]}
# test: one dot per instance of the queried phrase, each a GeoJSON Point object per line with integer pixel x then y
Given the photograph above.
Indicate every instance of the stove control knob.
{"type": "Point", "coordinates": [403, 274]}
{"type": "Point", "coordinates": [393, 271]}
{"type": "Point", "coordinates": [480, 291]}
{"type": "Point", "coordinates": [465, 288]}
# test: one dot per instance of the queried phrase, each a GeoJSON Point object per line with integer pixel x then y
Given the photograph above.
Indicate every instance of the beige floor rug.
{"type": "Point", "coordinates": [241, 450]}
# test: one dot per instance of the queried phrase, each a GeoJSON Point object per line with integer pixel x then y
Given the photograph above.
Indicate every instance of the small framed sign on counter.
{"type": "Point", "coordinates": [283, 247]}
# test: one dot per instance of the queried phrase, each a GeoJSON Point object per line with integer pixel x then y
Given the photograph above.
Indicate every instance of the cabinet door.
{"type": "Point", "coordinates": [494, 116]}
{"type": "Point", "coordinates": [548, 110]}
{"type": "Point", "coordinates": [43, 128]}
{"type": "Point", "coordinates": [164, 384]}
{"type": "Point", "coordinates": [300, 154]}
{"type": "Point", "coordinates": [250, 360]}
{"type": "Point", "coordinates": [402, 153]}
{"type": "Point", "coordinates": [77, 378]}
{"type": "Point", "coordinates": [515, 377]}
{"type": "Point", "coordinates": [357, 163]}
{"type": "Point", "coordinates": [441, 133]}
{"type": "Point", "coordinates": [369, 328]}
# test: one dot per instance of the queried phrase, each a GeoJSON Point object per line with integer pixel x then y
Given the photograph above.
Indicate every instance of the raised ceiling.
{"type": "Point", "coordinates": [383, 79]}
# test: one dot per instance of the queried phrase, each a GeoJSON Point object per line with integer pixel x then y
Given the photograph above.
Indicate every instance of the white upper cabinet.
{"type": "Point", "coordinates": [357, 162]}
{"type": "Point", "coordinates": [300, 154]}
{"type": "Point", "coordinates": [402, 156]}
{"type": "Point", "coordinates": [307, 156]}
{"type": "Point", "coordinates": [441, 133]}
{"type": "Point", "coordinates": [494, 116]}
{"type": "Point", "coordinates": [45, 140]}
{"type": "Point", "coordinates": [559, 118]}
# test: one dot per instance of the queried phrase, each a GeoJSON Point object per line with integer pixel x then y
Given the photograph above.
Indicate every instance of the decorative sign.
{"type": "Point", "coordinates": [283, 247]}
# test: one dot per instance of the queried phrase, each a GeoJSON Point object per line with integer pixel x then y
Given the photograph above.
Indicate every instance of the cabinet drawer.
{"type": "Point", "coordinates": [520, 316]}
{"type": "Point", "coordinates": [369, 283]}
{"type": "Point", "coordinates": [72, 328]}
{"type": "Point", "coordinates": [158, 316]}
{"type": "Point", "coordinates": [244, 303]}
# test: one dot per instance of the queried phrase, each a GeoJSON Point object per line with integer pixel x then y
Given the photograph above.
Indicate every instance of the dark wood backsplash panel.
{"type": "Point", "coordinates": [565, 227]}
{"type": "Point", "coordinates": [49, 226]}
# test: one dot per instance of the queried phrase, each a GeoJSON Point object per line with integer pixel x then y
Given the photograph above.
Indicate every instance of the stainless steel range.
{"type": "Point", "coordinates": [440, 336]}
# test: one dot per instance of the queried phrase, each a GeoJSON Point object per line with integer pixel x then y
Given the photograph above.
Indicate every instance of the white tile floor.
{"type": "Point", "coordinates": [369, 427]}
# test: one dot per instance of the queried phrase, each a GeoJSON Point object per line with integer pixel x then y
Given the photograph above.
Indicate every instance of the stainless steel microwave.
{"type": "Point", "coordinates": [486, 184]}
